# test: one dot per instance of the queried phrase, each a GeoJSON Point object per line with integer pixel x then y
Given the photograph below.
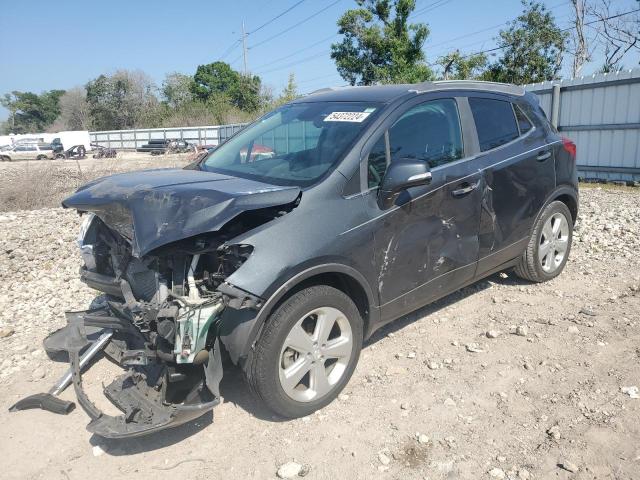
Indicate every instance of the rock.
{"type": "Point", "coordinates": [493, 334]}
{"type": "Point", "coordinates": [631, 391]}
{"type": "Point", "coordinates": [343, 397]}
{"type": "Point", "coordinates": [497, 473]}
{"type": "Point", "coordinates": [304, 471]}
{"type": "Point", "coordinates": [573, 329]}
{"type": "Point", "coordinates": [383, 458]}
{"type": "Point", "coordinates": [411, 355]}
{"type": "Point", "coordinates": [473, 348]}
{"type": "Point", "coordinates": [433, 365]}
{"type": "Point", "coordinates": [524, 474]}
{"type": "Point", "coordinates": [289, 470]}
{"type": "Point", "coordinates": [568, 466]}
{"type": "Point", "coordinates": [449, 402]}
{"type": "Point", "coordinates": [422, 438]}
{"type": "Point", "coordinates": [586, 311]}
{"type": "Point", "coordinates": [522, 330]}
{"type": "Point", "coordinates": [554, 432]}
{"type": "Point", "coordinates": [98, 450]}
{"type": "Point", "coordinates": [6, 332]}
{"type": "Point", "coordinates": [404, 406]}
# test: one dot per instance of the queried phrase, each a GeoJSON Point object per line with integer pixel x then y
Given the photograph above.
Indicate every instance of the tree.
{"type": "Point", "coordinates": [219, 78]}
{"type": "Point", "coordinates": [30, 112]}
{"type": "Point", "coordinates": [123, 100]}
{"type": "Point", "coordinates": [532, 48]}
{"type": "Point", "coordinates": [462, 67]}
{"type": "Point", "coordinates": [289, 93]}
{"type": "Point", "coordinates": [74, 111]}
{"type": "Point", "coordinates": [616, 32]}
{"type": "Point", "coordinates": [379, 45]}
{"type": "Point", "coordinates": [9, 101]}
{"type": "Point", "coordinates": [177, 89]}
{"type": "Point", "coordinates": [579, 45]}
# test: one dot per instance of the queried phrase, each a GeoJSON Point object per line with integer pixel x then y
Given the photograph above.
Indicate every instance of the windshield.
{"type": "Point", "coordinates": [293, 145]}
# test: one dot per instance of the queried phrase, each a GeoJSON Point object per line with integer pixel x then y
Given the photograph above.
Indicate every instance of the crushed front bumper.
{"type": "Point", "coordinates": [151, 395]}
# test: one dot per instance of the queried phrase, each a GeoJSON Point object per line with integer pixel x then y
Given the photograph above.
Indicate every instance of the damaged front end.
{"type": "Point", "coordinates": [161, 312]}
{"type": "Point", "coordinates": [158, 317]}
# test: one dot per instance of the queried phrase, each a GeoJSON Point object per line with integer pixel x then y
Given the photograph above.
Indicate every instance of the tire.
{"type": "Point", "coordinates": [4, 158]}
{"type": "Point", "coordinates": [267, 363]}
{"type": "Point", "coordinates": [41, 157]}
{"type": "Point", "coordinates": [542, 244]}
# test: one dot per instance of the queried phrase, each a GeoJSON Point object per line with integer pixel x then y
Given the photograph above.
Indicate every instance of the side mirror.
{"type": "Point", "coordinates": [401, 175]}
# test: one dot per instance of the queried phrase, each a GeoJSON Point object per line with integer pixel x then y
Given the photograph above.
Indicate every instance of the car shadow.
{"type": "Point", "coordinates": [235, 390]}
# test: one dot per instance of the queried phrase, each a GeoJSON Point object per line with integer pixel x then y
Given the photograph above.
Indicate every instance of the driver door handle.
{"type": "Point", "coordinates": [543, 155]}
{"type": "Point", "coordinates": [464, 189]}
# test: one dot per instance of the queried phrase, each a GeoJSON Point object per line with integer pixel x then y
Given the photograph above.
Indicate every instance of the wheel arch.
{"type": "Point", "coordinates": [241, 337]}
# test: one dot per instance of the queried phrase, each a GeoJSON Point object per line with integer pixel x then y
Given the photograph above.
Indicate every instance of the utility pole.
{"type": "Point", "coordinates": [244, 49]}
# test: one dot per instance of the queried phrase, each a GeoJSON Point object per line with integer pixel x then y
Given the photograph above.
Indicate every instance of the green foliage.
{"type": "Point", "coordinates": [120, 101]}
{"type": "Point", "coordinates": [289, 93]}
{"type": "Point", "coordinates": [177, 89]}
{"type": "Point", "coordinates": [379, 45]}
{"type": "Point", "coordinates": [462, 67]}
{"type": "Point", "coordinates": [533, 47]}
{"type": "Point", "coordinates": [31, 112]}
{"type": "Point", "coordinates": [219, 78]}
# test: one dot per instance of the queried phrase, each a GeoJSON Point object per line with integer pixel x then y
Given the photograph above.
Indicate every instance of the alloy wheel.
{"type": "Point", "coordinates": [554, 242]}
{"type": "Point", "coordinates": [315, 354]}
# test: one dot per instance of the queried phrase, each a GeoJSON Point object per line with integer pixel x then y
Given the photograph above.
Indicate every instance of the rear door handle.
{"type": "Point", "coordinates": [542, 156]}
{"type": "Point", "coordinates": [467, 188]}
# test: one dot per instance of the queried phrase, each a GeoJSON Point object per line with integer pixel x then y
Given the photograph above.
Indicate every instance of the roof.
{"type": "Point", "coordinates": [388, 93]}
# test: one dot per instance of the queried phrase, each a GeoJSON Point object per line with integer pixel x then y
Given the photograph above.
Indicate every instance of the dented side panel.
{"type": "Point", "coordinates": [430, 241]}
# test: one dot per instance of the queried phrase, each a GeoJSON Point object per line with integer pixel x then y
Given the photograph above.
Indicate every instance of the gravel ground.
{"type": "Point", "coordinates": [504, 379]}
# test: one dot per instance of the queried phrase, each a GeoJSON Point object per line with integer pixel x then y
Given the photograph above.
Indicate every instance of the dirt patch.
{"type": "Point", "coordinates": [533, 402]}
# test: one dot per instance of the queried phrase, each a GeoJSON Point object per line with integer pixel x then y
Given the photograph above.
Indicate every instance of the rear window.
{"type": "Point", "coordinates": [495, 122]}
{"type": "Point", "coordinates": [523, 122]}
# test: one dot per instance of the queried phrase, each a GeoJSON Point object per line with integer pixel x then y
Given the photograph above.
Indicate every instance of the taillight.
{"type": "Point", "coordinates": [569, 146]}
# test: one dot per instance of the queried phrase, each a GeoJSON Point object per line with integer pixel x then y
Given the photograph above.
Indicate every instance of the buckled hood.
{"type": "Point", "coordinates": [155, 207]}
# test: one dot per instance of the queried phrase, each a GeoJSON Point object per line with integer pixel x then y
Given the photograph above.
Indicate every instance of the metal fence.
{"type": "Point", "coordinates": [132, 139]}
{"type": "Point", "coordinates": [601, 114]}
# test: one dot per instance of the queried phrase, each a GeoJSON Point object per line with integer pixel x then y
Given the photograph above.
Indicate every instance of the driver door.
{"type": "Point", "coordinates": [427, 243]}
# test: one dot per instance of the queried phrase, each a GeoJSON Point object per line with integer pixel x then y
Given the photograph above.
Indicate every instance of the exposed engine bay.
{"type": "Point", "coordinates": [158, 316]}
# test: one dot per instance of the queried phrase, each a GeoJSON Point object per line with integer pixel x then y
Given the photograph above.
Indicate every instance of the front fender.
{"type": "Point", "coordinates": [239, 329]}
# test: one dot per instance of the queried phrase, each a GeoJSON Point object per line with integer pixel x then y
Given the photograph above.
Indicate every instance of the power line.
{"type": "Point", "coordinates": [276, 17]}
{"type": "Point", "coordinates": [306, 59]}
{"type": "Point", "coordinates": [229, 50]}
{"type": "Point", "coordinates": [268, 39]}
{"type": "Point", "coordinates": [298, 51]}
{"type": "Point", "coordinates": [430, 7]}
{"type": "Point", "coordinates": [562, 30]}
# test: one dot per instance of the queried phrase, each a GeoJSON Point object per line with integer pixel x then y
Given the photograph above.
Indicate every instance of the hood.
{"type": "Point", "coordinates": [155, 207]}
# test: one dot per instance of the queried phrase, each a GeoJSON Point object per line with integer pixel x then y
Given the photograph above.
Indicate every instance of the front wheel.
{"type": "Point", "coordinates": [307, 351]}
{"type": "Point", "coordinates": [549, 246]}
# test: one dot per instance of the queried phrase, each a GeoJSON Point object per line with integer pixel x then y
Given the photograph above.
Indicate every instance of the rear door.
{"type": "Point", "coordinates": [519, 175]}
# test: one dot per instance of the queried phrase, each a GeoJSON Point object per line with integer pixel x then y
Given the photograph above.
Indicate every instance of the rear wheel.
{"type": "Point", "coordinates": [307, 351]}
{"type": "Point", "coordinates": [549, 246]}
{"type": "Point", "coordinates": [41, 157]}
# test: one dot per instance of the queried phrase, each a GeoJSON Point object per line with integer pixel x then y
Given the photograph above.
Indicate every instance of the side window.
{"type": "Point", "coordinates": [429, 131]}
{"type": "Point", "coordinates": [377, 161]}
{"type": "Point", "coordinates": [495, 122]}
{"type": "Point", "coordinates": [523, 122]}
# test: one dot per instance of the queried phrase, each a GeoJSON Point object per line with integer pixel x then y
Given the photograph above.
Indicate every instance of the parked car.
{"type": "Point", "coordinates": [26, 152]}
{"type": "Point", "coordinates": [372, 202]}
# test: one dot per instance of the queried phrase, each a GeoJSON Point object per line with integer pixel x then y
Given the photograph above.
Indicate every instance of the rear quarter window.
{"type": "Point", "coordinates": [495, 122]}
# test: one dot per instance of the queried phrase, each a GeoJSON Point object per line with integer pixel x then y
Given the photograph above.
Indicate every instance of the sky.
{"type": "Point", "coordinates": [56, 44]}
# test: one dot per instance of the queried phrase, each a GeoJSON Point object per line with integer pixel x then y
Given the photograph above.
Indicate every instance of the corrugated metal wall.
{"type": "Point", "coordinates": [601, 114]}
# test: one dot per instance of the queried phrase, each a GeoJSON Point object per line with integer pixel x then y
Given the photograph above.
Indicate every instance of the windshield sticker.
{"type": "Point", "coordinates": [356, 117]}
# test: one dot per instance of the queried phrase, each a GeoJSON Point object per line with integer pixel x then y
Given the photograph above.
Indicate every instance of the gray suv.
{"type": "Point", "coordinates": [371, 203]}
